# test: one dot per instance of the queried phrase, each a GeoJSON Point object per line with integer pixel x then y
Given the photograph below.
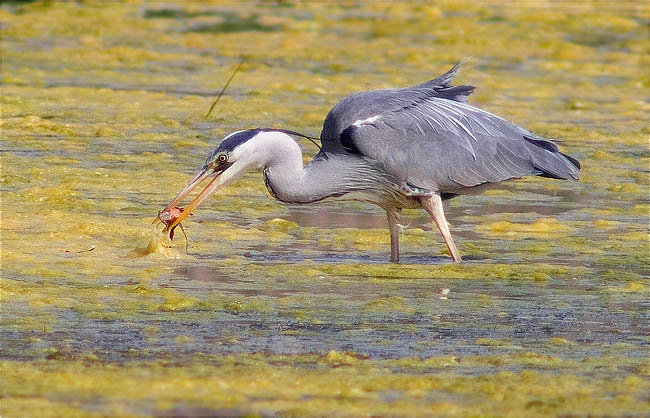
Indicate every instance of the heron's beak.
{"type": "Point", "coordinates": [212, 187]}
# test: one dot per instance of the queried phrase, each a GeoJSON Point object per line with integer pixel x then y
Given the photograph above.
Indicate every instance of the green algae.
{"type": "Point", "coordinates": [300, 385]}
{"type": "Point", "coordinates": [273, 310]}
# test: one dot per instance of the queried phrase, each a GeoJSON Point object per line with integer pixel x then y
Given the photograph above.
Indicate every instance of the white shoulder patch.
{"type": "Point", "coordinates": [368, 121]}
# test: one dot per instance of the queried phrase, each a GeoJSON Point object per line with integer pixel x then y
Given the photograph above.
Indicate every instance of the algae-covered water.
{"type": "Point", "coordinates": [296, 310]}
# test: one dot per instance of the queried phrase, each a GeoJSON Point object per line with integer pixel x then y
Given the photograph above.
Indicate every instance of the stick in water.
{"type": "Point", "coordinates": [224, 88]}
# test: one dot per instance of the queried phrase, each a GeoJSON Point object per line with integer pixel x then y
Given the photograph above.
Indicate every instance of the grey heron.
{"type": "Point", "coordinates": [413, 147]}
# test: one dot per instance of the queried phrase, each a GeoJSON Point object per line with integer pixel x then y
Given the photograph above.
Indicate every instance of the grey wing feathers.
{"type": "Point", "coordinates": [429, 137]}
{"type": "Point", "coordinates": [442, 87]}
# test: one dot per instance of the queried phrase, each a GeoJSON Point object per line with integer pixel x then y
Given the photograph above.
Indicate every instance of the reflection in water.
{"type": "Point", "coordinates": [202, 273]}
{"type": "Point", "coordinates": [328, 216]}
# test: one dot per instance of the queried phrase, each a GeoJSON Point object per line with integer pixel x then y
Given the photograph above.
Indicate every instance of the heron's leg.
{"type": "Point", "coordinates": [433, 205]}
{"type": "Point", "coordinates": [393, 227]}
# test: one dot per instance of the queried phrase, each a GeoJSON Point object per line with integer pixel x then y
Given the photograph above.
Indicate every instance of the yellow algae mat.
{"type": "Point", "coordinates": [280, 310]}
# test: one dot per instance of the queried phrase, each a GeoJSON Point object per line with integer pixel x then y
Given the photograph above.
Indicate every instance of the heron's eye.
{"type": "Point", "coordinates": [222, 158]}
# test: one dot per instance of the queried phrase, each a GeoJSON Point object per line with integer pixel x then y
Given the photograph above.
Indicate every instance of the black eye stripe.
{"type": "Point", "coordinates": [234, 140]}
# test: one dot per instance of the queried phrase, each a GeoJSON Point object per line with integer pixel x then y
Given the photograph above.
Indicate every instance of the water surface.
{"type": "Point", "coordinates": [295, 310]}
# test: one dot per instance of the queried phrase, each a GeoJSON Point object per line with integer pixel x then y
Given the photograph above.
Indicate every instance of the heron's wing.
{"type": "Point", "coordinates": [441, 144]}
{"type": "Point", "coordinates": [366, 104]}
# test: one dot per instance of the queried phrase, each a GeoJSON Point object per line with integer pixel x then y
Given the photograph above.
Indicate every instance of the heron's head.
{"type": "Point", "coordinates": [235, 155]}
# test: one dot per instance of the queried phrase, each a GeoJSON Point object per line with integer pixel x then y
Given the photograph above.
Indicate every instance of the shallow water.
{"type": "Point", "coordinates": [295, 310]}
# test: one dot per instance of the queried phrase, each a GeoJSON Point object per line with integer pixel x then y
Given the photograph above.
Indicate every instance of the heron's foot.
{"type": "Point", "coordinates": [415, 191]}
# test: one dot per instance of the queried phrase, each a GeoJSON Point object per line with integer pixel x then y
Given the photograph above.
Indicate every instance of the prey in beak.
{"type": "Point", "coordinates": [172, 216]}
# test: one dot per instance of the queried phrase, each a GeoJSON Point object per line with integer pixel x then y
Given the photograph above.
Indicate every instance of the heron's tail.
{"type": "Point", "coordinates": [549, 161]}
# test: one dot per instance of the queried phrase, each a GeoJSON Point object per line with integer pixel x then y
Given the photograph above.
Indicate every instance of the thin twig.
{"type": "Point", "coordinates": [224, 88]}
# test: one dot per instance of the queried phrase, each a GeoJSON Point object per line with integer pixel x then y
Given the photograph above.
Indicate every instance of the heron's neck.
{"type": "Point", "coordinates": [327, 175]}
